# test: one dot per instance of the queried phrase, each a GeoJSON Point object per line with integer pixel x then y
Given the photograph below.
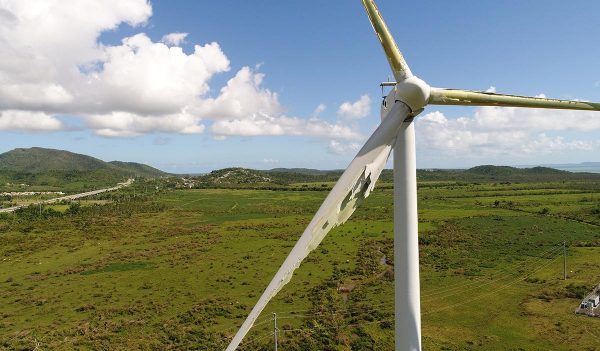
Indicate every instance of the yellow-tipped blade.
{"type": "Point", "coordinates": [478, 98]}
{"type": "Point", "coordinates": [394, 56]}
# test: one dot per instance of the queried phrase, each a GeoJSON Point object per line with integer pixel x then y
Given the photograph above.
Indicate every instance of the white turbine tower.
{"type": "Point", "coordinates": [406, 100]}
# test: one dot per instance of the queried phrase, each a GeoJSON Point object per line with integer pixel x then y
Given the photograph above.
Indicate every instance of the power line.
{"type": "Point", "coordinates": [494, 278]}
{"type": "Point", "coordinates": [497, 277]}
{"type": "Point", "coordinates": [293, 314]}
{"type": "Point", "coordinates": [492, 292]}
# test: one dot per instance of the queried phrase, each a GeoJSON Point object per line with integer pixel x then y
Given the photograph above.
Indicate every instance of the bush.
{"type": "Point", "coordinates": [576, 291]}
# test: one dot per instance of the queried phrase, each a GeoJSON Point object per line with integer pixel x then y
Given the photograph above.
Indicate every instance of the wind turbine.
{"type": "Point", "coordinates": [406, 100]}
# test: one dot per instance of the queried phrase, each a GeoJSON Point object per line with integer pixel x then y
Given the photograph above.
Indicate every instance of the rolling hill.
{"type": "Point", "coordinates": [489, 173]}
{"type": "Point", "coordinates": [244, 177]}
{"type": "Point", "coordinates": [53, 169]}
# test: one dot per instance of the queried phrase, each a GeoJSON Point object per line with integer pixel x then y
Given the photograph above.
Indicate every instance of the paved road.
{"type": "Point", "coordinates": [70, 197]}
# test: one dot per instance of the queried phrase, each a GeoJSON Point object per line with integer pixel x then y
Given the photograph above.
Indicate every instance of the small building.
{"type": "Point", "coordinates": [584, 305]}
{"type": "Point", "coordinates": [594, 301]}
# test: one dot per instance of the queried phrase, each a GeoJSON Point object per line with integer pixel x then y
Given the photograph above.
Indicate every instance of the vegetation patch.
{"type": "Point", "coordinates": [158, 265]}
{"type": "Point", "coordinates": [119, 267]}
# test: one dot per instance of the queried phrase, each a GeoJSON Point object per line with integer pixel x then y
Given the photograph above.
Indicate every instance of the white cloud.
{"type": "Point", "coordinates": [509, 133]}
{"type": "Point", "coordinates": [263, 125]}
{"type": "Point", "coordinates": [52, 62]}
{"type": "Point", "coordinates": [545, 144]}
{"type": "Point", "coordinates": [44, 42]}
{"type": "Point", "coordinates": [241, 98]}
{"type": "Point", "coordinates": [270, 161]}
{"type": "Point", "coordinates": [355, 110]}
{"type": "Point", "coordinates": [29, 121]}
{"type": "Point", "coordinates": [514, 118]}
{"type": "Point", "coordinates": [491, 89]}
{"type": "Point", "coordinates": [318, 110]}
{"type": "Point", "coordinates": [174, 39]}
{"type": "Point", "coordinates": [339, 147]}
{"type": "Point", "coordinates": [125, 124]}
{"type": "Point", "coordinates": [144, 77]}
{"type": "Point", "coordinates": [244, 108]}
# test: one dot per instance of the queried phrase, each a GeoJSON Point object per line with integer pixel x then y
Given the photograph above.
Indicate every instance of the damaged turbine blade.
{"type": "Point", "coordinates": [355, 184]}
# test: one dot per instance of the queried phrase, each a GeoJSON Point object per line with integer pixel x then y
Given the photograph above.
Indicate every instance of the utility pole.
{"type": "Point", "coordinates": [275, 330]}
{"type": "Point", "coordinates": [565, 259]}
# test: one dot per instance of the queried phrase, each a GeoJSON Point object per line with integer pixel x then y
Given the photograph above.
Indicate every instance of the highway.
{"type": "Point", "coordinates": [70, 197]}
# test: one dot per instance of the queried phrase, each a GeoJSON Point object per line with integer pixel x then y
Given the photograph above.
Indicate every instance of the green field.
{"type": "Point", "coordinates": [180, 269]}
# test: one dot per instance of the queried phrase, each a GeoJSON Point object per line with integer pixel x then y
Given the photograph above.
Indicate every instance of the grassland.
{"type": "Point", "coordinates": [180, 269]}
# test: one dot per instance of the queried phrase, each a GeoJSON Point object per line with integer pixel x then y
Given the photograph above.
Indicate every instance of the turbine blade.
{"type": "Point", "coordinates": [479, 98]}
{"type": "Point", "coordinates": [394, 56]}
{"type": "Point", "coordinates": [355, 184]}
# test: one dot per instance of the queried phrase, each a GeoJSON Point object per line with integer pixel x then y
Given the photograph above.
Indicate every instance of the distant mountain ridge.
{"type": "Point", "coordinates": [64, 170]}
{"type": "Point", "coordinates": [59, 168]}
{"type": "Point", "coordinates": [308, 171]}
{"type": "Point", "coordinates": [591, 167]}
{"type": "Point", "coordinates": [40, 160]}
{"type": "Point", "coordinates": [490, 173]}
{"type": "Point", "coordinates": [245, 177]}
{"type": "Point", "coordinates": [507, 170]}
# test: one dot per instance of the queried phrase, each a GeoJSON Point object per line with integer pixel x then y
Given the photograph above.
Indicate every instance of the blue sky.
{"type": "Point", "coordinates": [289, 57]}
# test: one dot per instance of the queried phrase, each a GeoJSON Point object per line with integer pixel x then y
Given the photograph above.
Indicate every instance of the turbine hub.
{"type": "Point", "coordinates": [414, 92]}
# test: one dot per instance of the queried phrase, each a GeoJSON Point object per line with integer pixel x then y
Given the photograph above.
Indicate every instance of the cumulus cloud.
{"type": "Point", "coordinates": [125, 124]}
{"type": "Point", "coordinates": [52, 63]}
{"type": "Point", "coordinates": [263, 125]}
{"type": "Point", "coordinates": [318, 110]}
{"type": "Point", "coordinates": [339, 147]}
{"type": "Point", "coordinates": [29, 121]}
{"type": "Point", "coordinates": [355, 110]}
{"type": "Point", "coordinates": [242, 97]}
{"type": "Point", "coordinates": [513, 118]}
{"type": "Point", "coordinates": [512, 132]}
{"type": "Point", "coordinates": [43, 44]}
{"type": "Point", "coordinates": [174, 39]}
{"type": "Point", "coordinates": [145, 77]}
